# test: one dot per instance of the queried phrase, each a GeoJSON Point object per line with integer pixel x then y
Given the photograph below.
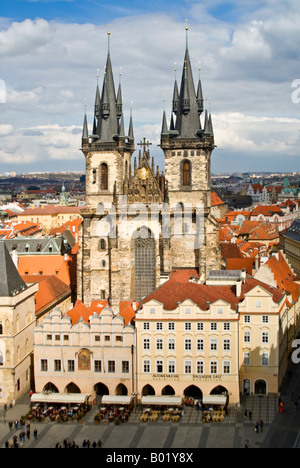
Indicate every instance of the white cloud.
{"type": "Point", "coordinates": [247, 69]}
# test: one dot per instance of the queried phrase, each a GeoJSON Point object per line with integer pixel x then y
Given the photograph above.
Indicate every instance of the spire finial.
{"type": "Point", "coordinates": [108, 34]}
{"type": "Point", "coordinates": [187, 33]}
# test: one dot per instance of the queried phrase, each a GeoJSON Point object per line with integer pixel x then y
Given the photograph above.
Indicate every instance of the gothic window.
{"type": "Point", "coordinates": [102, 245]}
{"type": "Point", "coordinates": [186, 174]}
{"type": "Point", "coordinates": [104, 176]}
{"type": "Point", "coordinates": [144, 251]}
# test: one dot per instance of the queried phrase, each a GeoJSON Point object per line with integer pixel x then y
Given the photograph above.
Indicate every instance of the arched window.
{"type": "Point", "coordinates": [1, 329]}
{"type": "Point", "coordinates": [186, 174]}
{"type": "Point", "coordinates": [104, 176]}
{"type": "Point", "coordinates": [144, 252]}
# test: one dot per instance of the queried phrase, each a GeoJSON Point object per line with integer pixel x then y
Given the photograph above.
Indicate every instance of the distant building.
{"type": "Point", "coordinates": [290, 241]}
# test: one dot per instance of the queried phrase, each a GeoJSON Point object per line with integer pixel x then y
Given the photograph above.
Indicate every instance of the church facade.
{"type": "Point", "coordinates": [139, 224]}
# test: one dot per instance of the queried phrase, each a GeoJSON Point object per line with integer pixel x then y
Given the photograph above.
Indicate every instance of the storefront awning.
{"type": "Point", "coordinates": [60, 398]}
{"type": "Point", "coordinates": [161, 401]}
{"type": "Point", "coordinates": [215, 400]}
{"type": "Point", "coordinates": [116, 400]}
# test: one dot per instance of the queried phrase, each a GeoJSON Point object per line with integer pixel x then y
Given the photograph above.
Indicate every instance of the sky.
{"type": "Point", "coordinates": [50, 51]}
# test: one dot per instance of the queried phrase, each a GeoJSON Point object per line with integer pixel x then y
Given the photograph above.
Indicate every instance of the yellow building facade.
{"type": "Point", "coordinates": [221, 339]}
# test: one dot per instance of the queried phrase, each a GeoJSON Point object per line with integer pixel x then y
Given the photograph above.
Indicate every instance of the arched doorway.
{"type": "Point", "coordinates": [121, 390]}
{"type": "Point", "coordinates": [219, 390]}
{"type": "Point", "coordinates": [101, 389]}
{"type": "Point", "coordinates": [148, 390]}
{"type": "Point", "coordinates": [50, 388]}
{"type": "Point", "coordinates": [260, 387]}
{"type": "Point", "coordinates": [193, 392]}
{"type": "Point", "coordinates": [168, 390]}
{"type": "Point", "coordinates": [72, 388]}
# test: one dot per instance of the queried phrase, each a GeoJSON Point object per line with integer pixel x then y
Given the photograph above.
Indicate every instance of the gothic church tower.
{"type": "Point", "coordinates": [188, 149]}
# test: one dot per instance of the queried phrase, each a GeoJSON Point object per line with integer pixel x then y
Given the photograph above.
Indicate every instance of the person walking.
{"type": "Point", "coordinates": [261, 425]}
{"type": "Point", "coordinates": [257, 427]}
{"type": "Point", "coordinates": [35, 433]}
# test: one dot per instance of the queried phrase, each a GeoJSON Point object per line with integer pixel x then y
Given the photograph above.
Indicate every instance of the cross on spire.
{"type": "Point", "coordinates": [145, 144]}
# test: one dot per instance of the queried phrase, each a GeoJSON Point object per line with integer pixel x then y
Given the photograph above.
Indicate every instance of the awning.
{"type": "Point", "coordinates": [60, 398]}
{"type": "Point", "coordinates": [161, 400]}
{"type": "Point", "coordinates": [215, 400]}
{"type": "Point", "coordinates": [116, 400]}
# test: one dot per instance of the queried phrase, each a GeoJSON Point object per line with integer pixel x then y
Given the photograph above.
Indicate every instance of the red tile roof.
{"type": "Point", "coordinates": [51, 291]}
{"type": "Point", "coordinates": [178, 289]}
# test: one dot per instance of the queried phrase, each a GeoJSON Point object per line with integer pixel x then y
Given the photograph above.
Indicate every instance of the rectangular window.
{"type": "Point", "coordinates": [57, 365]}
{"type": "Point", "coordinates": [98, 366]}
{"type": "Point", "coordinates": [111, 367]}
{"type": "Point", "coordinates": [71, 366]}
{"type": "Point", "coordinates": [159, 326]}
{"type": "Point", "coordinates": [159, 344]}
{"type": "Point", "coordinates": [159, 367]}
{"type": "Point", "coordinates": [171, 367]}
{"type": "Point", "coordinates": [125, 367]}
{"type": "Point", "coordinates": [188, 326]}
{"type": "Point", "coordinates": [214, 367]}
{"type": "Point", "coordinates": [200, 345]}
{"type": "Point", "coordinates": [187, 345]}
{"type": "Point", "coordinates": [226, 367]}
{"type": "Point", "coordinates": [246, 359]}
{"type": "Point", "coordinates": [247, 337]}
{"type": "Point", "coordinates": [146, 326]}
{"type": "Point", "coordinates": [171, 344]}
{"type": "Point", "coordinates": [265, 337]}
{"type": "Point", "coordinates": [227, 326]}
{"type": "Point", "coordinates": [147, 368]}
{"type": "Point", "coordinates": [214, 345]}
{"type": "Point", "coordinates": [265, 319]}
{"type": "Point", "coordinates": [200, 367]}
{"type": "Point", "coordinates": [227, 345]}
{"type": "Point", "coordinates": [200, 326]}
{"type": "Point", "coordinates": [187, 367]}
{"type": "Point", "coordinates": [247, 319]}
{"type": "Point", "coordinates": [265, 359]}
{"type": "Point", "coordinates": [214, 326]}
{"type": "Point", "coordinates": [171, 326]}
{"type": "Point", "coordinates": [44, 365]}
{"type": "Point", "coordinates": [146, 343]}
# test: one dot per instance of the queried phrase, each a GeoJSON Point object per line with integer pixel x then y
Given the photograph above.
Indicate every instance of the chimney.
{"type": "Point", "coordinates": [244, 275]}
{"type": "Point", "coordinates": [239, 288]}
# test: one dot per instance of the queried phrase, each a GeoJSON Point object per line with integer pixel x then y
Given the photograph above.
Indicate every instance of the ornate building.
{"type": "Point", "coordinates": [127, 248]}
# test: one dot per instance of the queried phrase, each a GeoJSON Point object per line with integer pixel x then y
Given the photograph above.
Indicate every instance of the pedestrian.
{"type": "Point", "coordinates": [257, 427]}
{"type": "Point", "coordinates": [261, 425]}
{"type": "Point", "coordinates": [250, 415]}
{"type": "Point", "coordinates": [35, 433]}
{"type": "Point", "coordinates": [247, 444]}
{"type": "Point", "coordinates": [10, 425]}
{"type": "Point", "coordinates": [99, 443]}
{"type": "Point", "coordinates": [246, 413]}
{"type": "Point", "coordinates": [94, 444]}
{"type": "Point", "coordinates": [7, 444]}
{"type": "Point", "coordinates": [28, 434]}
{"type": "Point", "coordinates": [16, 424]}
{"type": "Point", "coordinates": [281, 407]}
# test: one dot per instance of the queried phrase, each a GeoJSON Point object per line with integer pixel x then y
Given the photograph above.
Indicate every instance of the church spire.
{"type": "Point", "coordinates": [85, 132]}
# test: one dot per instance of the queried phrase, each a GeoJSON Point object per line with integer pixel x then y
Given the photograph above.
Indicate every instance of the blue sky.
{"type": "Point", "coordinates": [249, 53]}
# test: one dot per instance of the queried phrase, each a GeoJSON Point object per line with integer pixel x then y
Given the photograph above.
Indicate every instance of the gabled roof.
{"type": "Point", "coordinates": [179, 288]}
{"type": "Point", "coordinates": [11, 282]}
{"type": "Point", "coordinates": [51, 291]}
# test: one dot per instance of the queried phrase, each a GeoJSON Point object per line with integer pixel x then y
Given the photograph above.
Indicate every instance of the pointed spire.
{"type": "Point", "coordinates": [175, 95]}
{"type": "Point", "coordinates": [85, 133]}
{"type": "Point", "coordinates": [210, 125]}
{"type": "Point", "coordinates": [130, 132]}
{"type": "Point", "coordinates": [122, 127]}
{"type": "Point", "coordinates": [11, 282]}
{"type": "Point", "coordinates": [97, 99]}
{"type": "Point", "coordinates": [164, 124]}
{"type": "Point", "coordinates": [120, 99]}
{"type": "Point", "coordinates": [206, 124]}
{"type": "Point", "coordinates": [200, 99]}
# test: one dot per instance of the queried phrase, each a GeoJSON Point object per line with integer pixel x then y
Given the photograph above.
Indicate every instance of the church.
{"type": "Point", "coordinates": [139, 224]}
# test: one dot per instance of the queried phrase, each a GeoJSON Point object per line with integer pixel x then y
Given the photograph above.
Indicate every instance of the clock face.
{"type": "Point", "coordinates": [143, 173]}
